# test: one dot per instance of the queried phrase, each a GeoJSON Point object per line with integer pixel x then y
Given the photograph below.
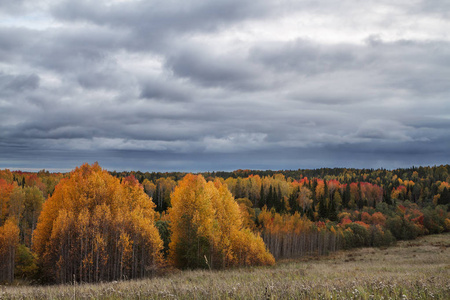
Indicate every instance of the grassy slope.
{"type": "Point", "coordinates": [418, 269]}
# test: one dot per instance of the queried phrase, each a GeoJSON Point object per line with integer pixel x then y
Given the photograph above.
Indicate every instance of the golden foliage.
{"type": "Point", "coordinates": [207, 228]}
{"type": "Point", "coordinates": [9, 240]}
{"type": "Point", "coordinates": [96, 228]}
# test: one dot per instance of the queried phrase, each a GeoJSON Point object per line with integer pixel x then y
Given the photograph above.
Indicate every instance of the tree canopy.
{"type": "Point", "coordinates": [207, 230]}
{"type": "Point", "coordinates": [95, 228]}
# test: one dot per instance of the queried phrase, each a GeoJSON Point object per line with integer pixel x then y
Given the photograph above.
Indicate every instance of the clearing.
{"type": "Point", "coordinates": [417, 269]}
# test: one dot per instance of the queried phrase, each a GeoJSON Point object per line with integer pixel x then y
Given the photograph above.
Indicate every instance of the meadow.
{"type": "Point", "coordinates": [416, 269]}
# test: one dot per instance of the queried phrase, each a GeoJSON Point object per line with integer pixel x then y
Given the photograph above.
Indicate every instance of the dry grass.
{"type": "Point", "coordinates": [418, 269]}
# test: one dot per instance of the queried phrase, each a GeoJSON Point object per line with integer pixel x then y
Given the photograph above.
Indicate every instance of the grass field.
{"type": "Point", "coordinates": [418, 269]}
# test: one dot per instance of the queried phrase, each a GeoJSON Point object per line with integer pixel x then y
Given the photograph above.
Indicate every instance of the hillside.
{"type": "Point", "coordinates": [418, 269]}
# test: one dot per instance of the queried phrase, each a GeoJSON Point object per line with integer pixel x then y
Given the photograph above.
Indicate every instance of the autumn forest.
{"type": "Point", "coordinates": [92, 225]}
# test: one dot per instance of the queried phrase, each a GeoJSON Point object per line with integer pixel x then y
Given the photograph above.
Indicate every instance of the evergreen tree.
{"type": "Point", "coordinates": [262, 198]}
{"type": "Point", "coordinates": [279, 201]}
{"type": "Point", "coordinates": [323, 211]}
{"type": "Point", "coordinates": [444, 199]}
{"type": "Point", "coordinates": [313, 190]}
{"type": "Point", "coordinates": [293, 203]}
{"type": "Point", "coordinates": [156, 198]}
{"type": "Point", "coordinates": [387, 197]}
{"type": "Point", "coordinates": [346, 199]}
{"type": "Point", "coordinates": [269, 200]}
{"type": "Point", "coordinates": [332, 210]}
{"type": "Point", "coordinates": [360, 199]}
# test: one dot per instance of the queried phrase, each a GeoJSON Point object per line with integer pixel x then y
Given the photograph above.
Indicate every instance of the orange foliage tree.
{"type": "Point", "coordinates": [9, 240]}
{"type": "Point", "coordinates": [6, 190]}
{"type": "Point", "coordinates": [289, 236]}
{"type": "Point", "coordinates": [207, 228]}
{"type": "Point", "coordinates": [95, 228]}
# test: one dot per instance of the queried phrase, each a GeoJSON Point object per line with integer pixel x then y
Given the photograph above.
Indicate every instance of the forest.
{"type": "Point", "coordinates": [91, 225]}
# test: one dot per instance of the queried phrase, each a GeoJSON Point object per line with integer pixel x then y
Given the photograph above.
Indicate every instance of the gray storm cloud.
{"type": "Point", "coordinates": [220, 85]}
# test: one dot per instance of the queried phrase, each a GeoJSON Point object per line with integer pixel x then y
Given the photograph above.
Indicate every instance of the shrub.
{"type": "Point", "coordinates": [380, 237]}
{"type": "Point", "coordinates": [434, 220]}
{"type": "Point", "coordinates": [359, 236]}
{"type": "Point", "coordinates": [25, 263]}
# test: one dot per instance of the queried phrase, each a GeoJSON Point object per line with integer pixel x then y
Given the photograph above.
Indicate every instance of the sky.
{"type": "Point", "coordinates": [181, 85]}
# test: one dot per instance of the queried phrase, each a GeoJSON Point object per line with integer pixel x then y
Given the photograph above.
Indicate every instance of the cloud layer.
{"type": "Point", "coordinates": [221, 85]}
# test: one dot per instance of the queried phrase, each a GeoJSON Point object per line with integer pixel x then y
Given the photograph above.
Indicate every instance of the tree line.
{"type": "Point", "coordinates": [92, 225]}
{"type": "Point", "coordinates": [96, 227]}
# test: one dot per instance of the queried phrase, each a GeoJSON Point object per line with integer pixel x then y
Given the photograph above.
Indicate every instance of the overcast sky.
{"type": "Point", "coordinates": [225, 84]}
